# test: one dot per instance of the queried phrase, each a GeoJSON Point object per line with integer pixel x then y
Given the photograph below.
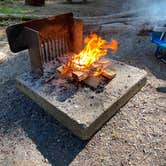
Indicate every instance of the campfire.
{"type": "Point", "coordinates": [58, 38]}
{"type": "Point", "coordinates": [90, 66]}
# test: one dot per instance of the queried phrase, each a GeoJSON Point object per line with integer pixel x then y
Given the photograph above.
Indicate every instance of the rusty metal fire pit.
{"type": "Point", "coordinates": [55, 39]}
{"type": "Point", "coordinates": [81, 109]}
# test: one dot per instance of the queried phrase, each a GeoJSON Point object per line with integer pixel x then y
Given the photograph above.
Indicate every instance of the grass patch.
{"type": "Point", "coordinates": [13, 7]}
{"type": "Point", "coordinates": [8, 10]}
{"type": "Point", "coordinates": [9, 22]}
{"type": "Point", "coordinates": [5, 2]}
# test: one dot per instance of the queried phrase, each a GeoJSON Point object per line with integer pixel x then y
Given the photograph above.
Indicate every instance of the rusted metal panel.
{"type": "Point", "coordinates": [16, 38]}
{"type": "Point", "coordinates": [76, 36]}
{"type": "Point", "coordinates": [15, 33]}
{"type": "Point", "coordinates": [33, 41]}
{"type": "Point", "coordinates": [47, 39]}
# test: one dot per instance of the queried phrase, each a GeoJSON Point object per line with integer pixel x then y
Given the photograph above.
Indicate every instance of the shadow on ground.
{"type": "Point", "coordinates": [54, 142]}
{"type": "Point", "coordinates": [161, 89]}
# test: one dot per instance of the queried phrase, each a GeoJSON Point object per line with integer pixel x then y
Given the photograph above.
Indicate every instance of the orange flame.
{"type": "Point", "coordinates": [95, 48]}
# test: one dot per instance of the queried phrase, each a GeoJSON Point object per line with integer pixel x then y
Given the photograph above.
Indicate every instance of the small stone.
{"type": "Point", "coordinates": [58, 140]}
{"type": "Point", "coordinates": [92, 97]}
{"type": "Point", "coordinates": [126, 87]}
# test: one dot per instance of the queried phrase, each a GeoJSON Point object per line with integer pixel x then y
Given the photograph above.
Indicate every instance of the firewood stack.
{"type": "Point", "coordinates": [93, 77]}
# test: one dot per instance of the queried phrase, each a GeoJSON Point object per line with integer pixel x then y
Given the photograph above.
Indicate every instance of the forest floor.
{"type": "Point", "coordinates": [135, 136]}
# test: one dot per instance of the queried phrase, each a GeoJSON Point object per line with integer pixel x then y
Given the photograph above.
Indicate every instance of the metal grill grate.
{"type": "Point", "coordinates": [53, 47]}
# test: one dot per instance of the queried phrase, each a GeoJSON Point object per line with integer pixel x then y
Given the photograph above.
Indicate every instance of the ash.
{"type": "Point", "coordinates": [61, 88]}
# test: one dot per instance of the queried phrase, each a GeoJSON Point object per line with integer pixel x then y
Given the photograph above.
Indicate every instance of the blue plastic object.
{"type": "Point", "coordinates": [159, 39]}
{"type": "Point", "coordinates": [156, 38]}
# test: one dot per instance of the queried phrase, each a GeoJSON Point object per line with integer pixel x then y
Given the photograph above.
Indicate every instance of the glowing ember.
{"type": "Point", "coordinates": [88, 60]}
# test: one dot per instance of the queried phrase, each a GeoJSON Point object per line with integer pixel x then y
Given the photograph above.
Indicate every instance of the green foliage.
{"type": "Point", "coordinates": [7, 10]}
{"type": "Point", "coordinates": [4, 2]}
{"type": "Point", "coordinates": [13, 7]}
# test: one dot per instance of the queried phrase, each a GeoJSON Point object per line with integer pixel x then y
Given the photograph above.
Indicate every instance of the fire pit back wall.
{"type": "Point", "coordinates": [47, 39]}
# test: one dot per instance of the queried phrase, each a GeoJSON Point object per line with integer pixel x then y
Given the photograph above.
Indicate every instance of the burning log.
{"type": "Point", "coordinates": [79, 75]}
{"type": "Point", "coordinates": [104, 62]}
{"type": "Point", "coordinates": [108, 74]}
{"type": "Point", "coordinates": [60, 69]}
{"type": "Point", "coordinates": [96, 65]}
{"type": "Point", "coordinates": [89, 66]}
{"type": "Point", "coordinates": [93, 82]}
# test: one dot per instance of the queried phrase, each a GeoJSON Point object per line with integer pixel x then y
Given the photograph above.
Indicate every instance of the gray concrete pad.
{"type": "Point", "coordinates": [81, 109]}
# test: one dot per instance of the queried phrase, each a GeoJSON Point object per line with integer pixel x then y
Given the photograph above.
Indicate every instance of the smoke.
{"type": "Point", "coordinates": [153, 10]}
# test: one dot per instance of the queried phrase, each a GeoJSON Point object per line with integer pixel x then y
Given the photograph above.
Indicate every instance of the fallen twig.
{"type": "Point", "coordinates": [50, 78]}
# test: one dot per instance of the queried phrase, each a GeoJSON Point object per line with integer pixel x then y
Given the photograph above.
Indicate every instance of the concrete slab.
{"type": "Point", "coordinates": [79, 108]}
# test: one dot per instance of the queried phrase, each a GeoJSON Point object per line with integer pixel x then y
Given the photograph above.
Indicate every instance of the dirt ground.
{"type": "Point", "coordinates": [92, 8]}
{"type": "Point", "coordinates": [135, 136]}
